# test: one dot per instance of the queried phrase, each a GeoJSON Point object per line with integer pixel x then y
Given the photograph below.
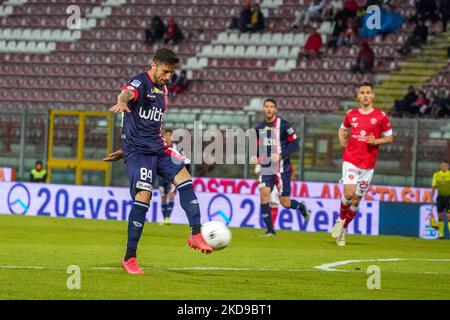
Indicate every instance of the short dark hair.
{"type": "Point", "coordinates": [166, 56]}
{"type": "Point", "coordinates": [366, 84]}
{"type": "Point", "coordinates": [444, 161]}
{"type": "Point", "coordinates": [168, 130]}
{"type": "Point", "coordinates": [270, 100]}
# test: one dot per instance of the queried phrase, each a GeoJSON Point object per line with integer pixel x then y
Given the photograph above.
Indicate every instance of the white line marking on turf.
{"type": "Point", "coordinates": [21, 267]}
{"type": "Point", "coordinates": [331, 266]}
{"type": "Point", "coordinates": [172, 268]}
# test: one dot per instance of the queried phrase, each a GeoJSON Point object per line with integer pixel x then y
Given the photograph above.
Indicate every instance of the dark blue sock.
{"type": "Point", "coordinates": [164, 209]}
{"type": "Point", "coordinates": [136, 221]}
{"type": "Point", "coordinates": [265, 213]}
{"type": "Point", "coordinates": [169, 208]}
{"type": "Point", "coordinates": [295, 204]}
{"type": "Point", "coordinates": [189, 203]}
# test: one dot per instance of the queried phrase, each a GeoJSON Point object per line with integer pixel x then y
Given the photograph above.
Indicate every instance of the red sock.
{"type": "Point", "coordinates": [273, 214]}
{"type": "Point", "coordinates": [344, 208]}
{"type": "Point", "coordinates": [350, 215]}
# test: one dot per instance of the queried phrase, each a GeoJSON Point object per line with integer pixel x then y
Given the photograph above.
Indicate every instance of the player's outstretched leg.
{"type": "Point", "coordinates": [189, 203]}
{"type": "Point", "coordinates": [351, 213]}
{"type": "Point", "coordinates": [164, 209]}
{"type": "Point", "coordinates": [169, 207]}
{"type": "Point", "coordinates": [294, 204]}
{"type": "Point", "coordinates": [341, 237]}
{"type": "Point", "coordinates": [301, 207]}
{"type": "Point", "coordinates": [273, 214]}
{"type": "Point", "coordinates": [136, 221]}
{"type": "Point", "coordinates": [265, 213]}
{"type": "Point", "coordinates": [339, 224]}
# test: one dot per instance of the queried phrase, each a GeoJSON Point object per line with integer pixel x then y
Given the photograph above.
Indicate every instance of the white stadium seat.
{"type": "Point", "coordinates": [239, 52]}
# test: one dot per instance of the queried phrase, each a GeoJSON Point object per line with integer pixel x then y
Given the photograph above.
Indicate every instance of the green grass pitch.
{"type": "Point", "coordinates": [35, 253]}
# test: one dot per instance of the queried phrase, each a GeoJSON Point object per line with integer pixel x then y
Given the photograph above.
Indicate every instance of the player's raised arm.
{"type": "Point", "coordinates": [122, 101]}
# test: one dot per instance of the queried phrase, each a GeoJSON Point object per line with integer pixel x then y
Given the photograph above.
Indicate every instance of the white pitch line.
{"type": "Point", "coordinates": [21, 267]}
{"type": "Point", "coordinates": [172, 268]}
{"type": "Point", "coordinates": [331, 266]}
{"type": "Point", "coordinates": [237, 269]}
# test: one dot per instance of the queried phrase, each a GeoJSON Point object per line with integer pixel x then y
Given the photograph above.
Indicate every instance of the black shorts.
{"type": "Point", "coordinates": [142, 170]}
{"type": "Point", "coordinates": [282, 181]}
{"type": "Point", "coordinates": [443, 204]}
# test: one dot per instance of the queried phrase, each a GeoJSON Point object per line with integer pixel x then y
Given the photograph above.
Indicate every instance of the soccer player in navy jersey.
{"type": "Point", "coordinates": [144, 101]}
{"type": "Point", "coordinates": [167, 189]}
{"type": "Point", "coordinates": [277, 140]}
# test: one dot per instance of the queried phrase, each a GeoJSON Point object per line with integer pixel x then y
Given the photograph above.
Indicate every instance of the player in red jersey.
{"type": "Point", "coordinates": [369, 128]}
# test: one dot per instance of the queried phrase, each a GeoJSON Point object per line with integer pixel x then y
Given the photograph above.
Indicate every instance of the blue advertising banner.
{"type": "Point", "coordinates": [236, 210]}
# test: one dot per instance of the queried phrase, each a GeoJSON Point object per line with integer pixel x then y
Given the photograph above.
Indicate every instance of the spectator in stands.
{"type": "Point", "coordinates": [257, 19]}
{"type": "Point", "coordinates": [418, 37]}
{"type": "Point", "coordinates": [440, 106]}
{"type": "Point", "coordinates": [348, 35]}
{"type": "Point", "coordinates": [350, 8]}
{"type": "Point", "coordinates": [304, 16]}
{"type": "Point", "coordinates": [425, 10]}
{"type": "Point", "coordinates": [174, 34]}
{"type": "Point", "coordinates": [401, 107]}
{"type": "Point", "coordinates": [420, 105]}
{"type": "Point", "coordinates": [444, 13]}
{"type": "Point", "coordinates": [380, 3]}
{"type": "Point", "coordinates": [339, 27]}
{"type": "Point", "coordinates": [311, 49]}
{"type": "Point", "coordinates": [38, 173]}
{"type": "Point", "coordinates": [365, 60]}
{"type": "Point", "coordinates": [234, 21]}
{"type": "Point", "coordinates": [245, 16]}
{"type": "Point", "coordinates": [373, 3]}
{"type": "Point", "coordinates": [181, 84]}
{"type": "Point", "coordinates": [331, 9]}
{"type": "Point", "coordinates": [156, 30]}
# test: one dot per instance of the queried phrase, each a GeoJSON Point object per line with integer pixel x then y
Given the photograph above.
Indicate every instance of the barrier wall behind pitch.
{"type": "Point", "coordinates": [237, 210]}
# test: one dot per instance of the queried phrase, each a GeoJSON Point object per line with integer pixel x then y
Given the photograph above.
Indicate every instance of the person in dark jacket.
{"type": "Point", "coordinates": [418, 38]}
{"type": "Point", "coordinates": [365, 61]}
{"type": "Point", "coordinates": [156, 31]}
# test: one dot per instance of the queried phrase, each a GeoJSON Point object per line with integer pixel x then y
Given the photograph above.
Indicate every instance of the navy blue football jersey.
{"type": "Point", "coordinates": [279, 137]}
{"type": "Point", "coordinates": [141, 131]}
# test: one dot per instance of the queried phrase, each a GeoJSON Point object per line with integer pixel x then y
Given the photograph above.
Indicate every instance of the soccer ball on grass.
{"type": "Point", "coordinates": [216, 234]}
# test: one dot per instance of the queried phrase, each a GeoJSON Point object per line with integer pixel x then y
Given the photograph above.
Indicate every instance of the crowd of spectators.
{"type": "Point", "coordinates": [250, 18]}
{"type": "Point", "coordinates": [433, 11]}
{"type": "Point", "coordinates": [158, 31]}
{"type": "Point", "coordinates": [424, 103]}
{"type": "Point", "coordinates": [347, 17]}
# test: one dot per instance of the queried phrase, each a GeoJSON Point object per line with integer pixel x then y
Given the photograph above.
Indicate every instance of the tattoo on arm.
{"type": "Point", "coordinates": [125, 96]}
